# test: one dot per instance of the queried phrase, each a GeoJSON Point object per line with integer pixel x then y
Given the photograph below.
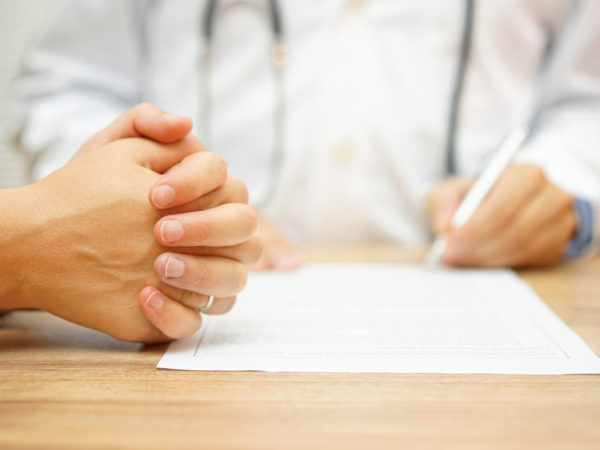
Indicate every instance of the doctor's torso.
{"type": "Point", "coordinates": [367, 94]}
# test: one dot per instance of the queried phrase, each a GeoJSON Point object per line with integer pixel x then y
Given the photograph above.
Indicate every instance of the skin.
{"type": "Point", "coordinates": [81, 243]}
{"type": "Point", "coordinates": [279, 252]}
{"type": "Point", "coordinates": [524, 221]}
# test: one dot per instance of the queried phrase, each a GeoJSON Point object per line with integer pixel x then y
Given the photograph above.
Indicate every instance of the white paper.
{"type": "Point", "coordinates": [385, 318]}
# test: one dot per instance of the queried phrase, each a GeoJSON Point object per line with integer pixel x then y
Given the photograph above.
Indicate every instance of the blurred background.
{"type": "Point", "coordinates": [18, 19]}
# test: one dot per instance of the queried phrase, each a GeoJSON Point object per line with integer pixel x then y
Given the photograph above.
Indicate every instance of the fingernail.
{"type": "Point", "coordinates": [171, 117]}
{"type": "Point", "coordinates": [174, 268]}
{"type": "Point", "coordinates": [171, 231]}
{"type": "Point", "coordinates": [155, 301]}
{"type": "Point", "coordinates": [163, 196]}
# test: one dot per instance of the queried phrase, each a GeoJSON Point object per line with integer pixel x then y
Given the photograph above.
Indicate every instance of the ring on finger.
{"type": "Point", "coordinates": [206, 307]}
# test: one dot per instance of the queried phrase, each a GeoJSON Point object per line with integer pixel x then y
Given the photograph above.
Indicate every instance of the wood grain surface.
{"type": "Point", "coordinates": [63, 386]}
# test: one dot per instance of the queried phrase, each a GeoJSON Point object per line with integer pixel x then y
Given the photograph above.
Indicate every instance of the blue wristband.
{"type": "Point", "coordinates": [585, 229]}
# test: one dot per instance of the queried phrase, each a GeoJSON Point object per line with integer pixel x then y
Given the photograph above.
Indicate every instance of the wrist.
{"type": "Point", "coordinates": [17, 226]}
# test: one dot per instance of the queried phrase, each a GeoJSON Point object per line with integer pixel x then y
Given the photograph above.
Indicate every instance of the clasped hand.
{"type": "Point", "coordinates": [142, 213]}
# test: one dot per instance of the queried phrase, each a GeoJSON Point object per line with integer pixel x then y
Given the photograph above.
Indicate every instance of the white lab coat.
{"type": "Point", "coordinates": [366, 90]}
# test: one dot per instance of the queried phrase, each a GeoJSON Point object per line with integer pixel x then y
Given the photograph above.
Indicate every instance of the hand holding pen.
{"type": "Point", "coordinates": [510, 216]}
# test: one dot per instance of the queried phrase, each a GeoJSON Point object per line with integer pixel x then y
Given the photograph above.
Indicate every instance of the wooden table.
{"type": "Point", "coordinates": [62, 386]}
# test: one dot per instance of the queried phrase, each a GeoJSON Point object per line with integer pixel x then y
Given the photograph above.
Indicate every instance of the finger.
{"type": "Point", "coordinates": [196, 175]}
{"type": "Point", "coordinates": [549, 245]}
{"type": "Point", "coordinates": [170, 317]}
{"type": "Point", "coordinates": [443, 201]}
{"type": "Point", "coordinates": [542, 244]}
{"type": "Point", "coordinates": [279, 252]}
{"type": "Point", "coordinates": [166, 129]}
{"type": "Point", "coordinates": [160, 157]}
{"type": "Point", "coordinates": [247, 252]}
{"type": "Point", "coordinates": [503, 245]}
{"type": "Point", "coordinates": [221, 306]}
{"type": "Point", "coordinates": [207, 275]}
{"type": "Point", "coordinates": [513, 189]}
{"type": "Point", "coordinates": [279, 259]}
{"type": "Point", "coordinates": [233, 191]}
{"type": "Point", "coordinates": [225, 225]}
{"type": "Point", "coordinates": [143, 120]}
{"type": "Point", "coordinates": [540, 213]}
{"type": "Point", "coordinates": [263, 263]}
{"type": "Point", "coordinates": [197, 301]}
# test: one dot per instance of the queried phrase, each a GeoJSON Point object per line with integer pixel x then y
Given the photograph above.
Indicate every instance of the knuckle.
{"type": "Point", "coordinates": [241, 277]}
{"type": "Point", "coordinates": [505, 216]}
{"type": "Point", "coordinates": [189, 298]}
{"type": "Point", "coordinates": [564, 200]}
{"type": "Point", "coordinates": [227, 305]}
{"type": "Point", "coordinates": [247, 219]}
{"type": "Point", "coordinates": [513, 240]}
{"type": "Point", "coordinates": [218, 166]}
{"type": "Point", "coordinates": [159, 264]}
{"type": "Point", "coordinates": [500, 215]}
{"type": "Point", "coordinates": [535, 173]}
{"type": "Point", "coordinates": [202, 277]}
{"type": "Point", "coordinates": [239, 189]}
{"type": "Point", "coordinates": [193, 145]}
{"type": "Point", "coordinates": [202, 231]}
{"type": "Point", "coordinates": [199, 158]}
{"type": "Point", "coordinates": [144, 107]}
{"type": "Point", "coordinates": [257, 246]}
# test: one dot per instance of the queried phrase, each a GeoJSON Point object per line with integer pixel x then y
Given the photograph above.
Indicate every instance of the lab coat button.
{"type": "Point", "coordinates": [354, 4]}
{"type": "Point", "coordinates": [344, 153]}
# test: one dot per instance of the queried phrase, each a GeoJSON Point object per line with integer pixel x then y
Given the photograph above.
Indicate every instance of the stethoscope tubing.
{"type": "Point", "coordinates": [279, 62]}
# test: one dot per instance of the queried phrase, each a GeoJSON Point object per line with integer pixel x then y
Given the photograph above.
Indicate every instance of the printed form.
{"type": "Point", "coordinates": [386, 318]}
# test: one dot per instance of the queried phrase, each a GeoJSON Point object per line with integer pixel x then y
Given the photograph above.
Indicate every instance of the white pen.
{"type": "Point", "coordinates": [488, 178]}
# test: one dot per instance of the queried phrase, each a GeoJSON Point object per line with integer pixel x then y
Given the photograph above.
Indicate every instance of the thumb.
{"type": "Point", "coordinates": [143, 120]}
{"type": "Point", "coordinates": [161, 157]}
{"type": "Point", "coordinates": [443, 200]}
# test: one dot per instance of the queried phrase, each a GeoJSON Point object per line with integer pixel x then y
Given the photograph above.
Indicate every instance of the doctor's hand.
{"type": "Point", "coordinates": [279, 252]}
{"type": "Point", "coordinates": [524, 221]}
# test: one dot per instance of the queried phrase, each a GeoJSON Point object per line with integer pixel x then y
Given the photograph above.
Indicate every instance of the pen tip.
{"type": "Point", "coordinates": [436, 253]}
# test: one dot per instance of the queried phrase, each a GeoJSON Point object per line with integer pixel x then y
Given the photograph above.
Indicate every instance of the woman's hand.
{"type": "Point", "coordinates": [184, 193]}
{"type": "Point", "coordinates": [85, 249]}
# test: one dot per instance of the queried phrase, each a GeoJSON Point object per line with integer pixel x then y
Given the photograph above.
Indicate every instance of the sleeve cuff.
{"type": "Point", "coordinates": [585, 229]}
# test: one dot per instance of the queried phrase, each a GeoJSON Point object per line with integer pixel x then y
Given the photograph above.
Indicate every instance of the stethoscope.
{"type": "Point", "coordinates": [210, 14]}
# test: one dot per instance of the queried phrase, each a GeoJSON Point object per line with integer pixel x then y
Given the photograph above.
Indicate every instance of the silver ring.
{"type": "Point", "coordinates": [206, 307]}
